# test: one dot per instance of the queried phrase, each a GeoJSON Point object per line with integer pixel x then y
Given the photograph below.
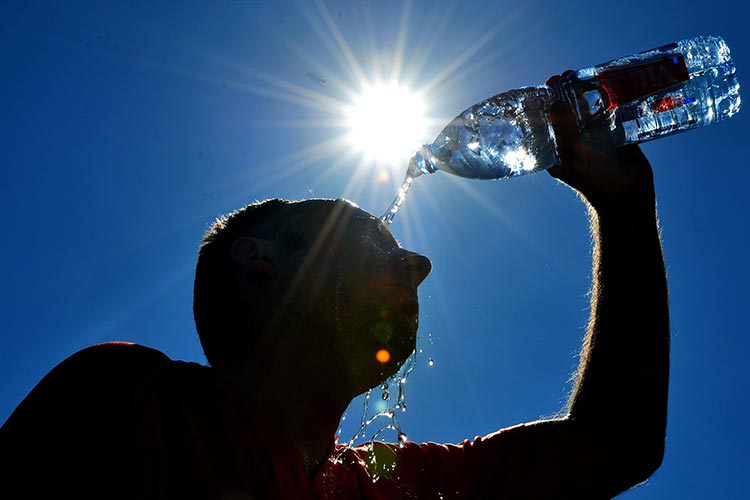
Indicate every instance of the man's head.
{"type": "Point", "coordinates": [323, 278]}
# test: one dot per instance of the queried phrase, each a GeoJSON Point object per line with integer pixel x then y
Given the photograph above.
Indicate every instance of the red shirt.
{"type": "Point", "coordinates": [124, 421]}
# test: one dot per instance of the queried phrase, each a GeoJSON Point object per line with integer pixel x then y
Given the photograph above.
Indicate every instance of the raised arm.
{"type": "Point", "coordinates": [612, 437]}
{"type": "Point", "coordinates": [623, 375]}
{"type": "Point", "coordinates": [624, 368]}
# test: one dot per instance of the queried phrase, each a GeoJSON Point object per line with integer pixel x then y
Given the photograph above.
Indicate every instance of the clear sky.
{"type": "Point", "coordinates": [128, 127]}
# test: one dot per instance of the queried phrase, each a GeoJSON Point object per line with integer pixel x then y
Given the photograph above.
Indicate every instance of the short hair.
{"type": "Point", "coordinates": [216, 300]}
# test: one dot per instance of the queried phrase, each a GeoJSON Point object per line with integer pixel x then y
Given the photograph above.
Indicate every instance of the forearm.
{"type": "Point", "coordinates": [622, 381]}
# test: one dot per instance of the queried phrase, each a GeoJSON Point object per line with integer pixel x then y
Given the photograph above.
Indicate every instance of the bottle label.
{"type": "Point", "coordinates": [629, 113]}
{"type": "Point", "coordinates": [627, 83]}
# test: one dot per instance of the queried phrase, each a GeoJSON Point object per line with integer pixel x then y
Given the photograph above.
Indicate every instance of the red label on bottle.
{"type": "Point", "coordinates": [634, 81]}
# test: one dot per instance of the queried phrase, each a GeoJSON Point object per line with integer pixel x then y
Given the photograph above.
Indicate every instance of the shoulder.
{"type": "Point", "coordinates": [112, 356]}
{"type": "Point", "coordinates": [83, 415]}
{"type": "Point", "coordinates": [89, 377]}
{"type": "Point", "coordinates": [118, 352]}
{"type": "Point", "coordinates": [110, 365]}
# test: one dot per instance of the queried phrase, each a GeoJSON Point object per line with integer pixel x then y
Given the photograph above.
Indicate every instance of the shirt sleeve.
{"type": "Point", "coordinates": [476, 468]}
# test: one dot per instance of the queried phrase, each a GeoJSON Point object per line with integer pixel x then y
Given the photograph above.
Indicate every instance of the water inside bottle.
{"type": "Point", "coordinates": [709, 98]}
{"type": "Point", "coordinates": [506, 135]}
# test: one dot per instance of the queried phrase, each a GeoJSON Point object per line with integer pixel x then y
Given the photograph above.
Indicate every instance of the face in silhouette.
{"type": "Point", "coordinates": [348, 288]}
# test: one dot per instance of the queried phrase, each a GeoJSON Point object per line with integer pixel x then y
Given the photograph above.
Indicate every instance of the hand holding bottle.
{"type": "Point", "coordinates": [623, 175]}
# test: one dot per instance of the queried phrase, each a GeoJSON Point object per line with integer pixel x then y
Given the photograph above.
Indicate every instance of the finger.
{"type": "Point", "coordinates": [565, 126]}
{"type": "Point", "coordinates": [552, 80]}
{"type": "Point", "coordinates": [576, 158]}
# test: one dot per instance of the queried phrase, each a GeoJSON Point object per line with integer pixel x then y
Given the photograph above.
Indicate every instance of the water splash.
{"type": "Point", "coordinates": [387, 417]}
{"type": "Point", "coordinates": [402, 376]}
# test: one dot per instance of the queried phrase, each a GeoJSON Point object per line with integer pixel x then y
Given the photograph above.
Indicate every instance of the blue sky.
{"type": "Point", "coordinates": [128, 127]}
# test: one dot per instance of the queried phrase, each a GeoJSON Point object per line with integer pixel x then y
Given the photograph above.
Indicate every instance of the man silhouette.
{"type": "Point", "coordinates": [302, 306]}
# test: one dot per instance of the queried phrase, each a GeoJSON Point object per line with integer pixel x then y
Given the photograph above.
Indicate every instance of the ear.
{"type": "Point", "coordinates": [254, 256]}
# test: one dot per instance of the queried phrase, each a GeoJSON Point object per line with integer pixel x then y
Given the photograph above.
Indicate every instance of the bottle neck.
{"type": "Point", "coordinates": [422, 162]}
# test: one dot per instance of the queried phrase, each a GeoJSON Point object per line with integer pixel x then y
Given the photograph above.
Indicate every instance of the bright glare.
{"type": "Point", "coordinates": [520, 160]}
{"type": "Point", "coordinates": [387, 122]}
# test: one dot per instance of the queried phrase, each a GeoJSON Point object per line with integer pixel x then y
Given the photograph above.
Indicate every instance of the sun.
{"type": "Point", "coordinates": [387, 123]}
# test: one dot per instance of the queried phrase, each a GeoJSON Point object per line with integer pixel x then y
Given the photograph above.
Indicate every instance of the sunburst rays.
{"type": "Point", "coordinates": [344, 62]}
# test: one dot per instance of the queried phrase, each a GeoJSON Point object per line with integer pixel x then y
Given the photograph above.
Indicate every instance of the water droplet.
{"type": "Point", "coordinates": [430, 362]}
{"type": "Point", "coordinates": [383, 409]}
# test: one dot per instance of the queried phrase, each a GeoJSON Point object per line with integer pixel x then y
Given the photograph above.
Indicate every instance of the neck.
{"type": "Point", "coordinates": [307, 408]}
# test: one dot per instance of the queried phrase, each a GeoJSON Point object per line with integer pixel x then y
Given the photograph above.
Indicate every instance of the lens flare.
{"type": "Point", "coordinates": [383, 356]}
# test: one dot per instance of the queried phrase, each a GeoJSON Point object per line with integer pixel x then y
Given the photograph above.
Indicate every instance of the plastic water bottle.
{"type": "Point", "coordinates": [632, 99]}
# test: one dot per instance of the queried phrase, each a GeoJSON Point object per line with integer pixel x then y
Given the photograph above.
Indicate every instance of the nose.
{"type": "Point", "coordinates": [411, 266]}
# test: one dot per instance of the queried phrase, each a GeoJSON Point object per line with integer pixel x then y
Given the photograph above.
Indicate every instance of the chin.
{"type": "Point", "coordinates": [395, 334]}
{"type": "Point", "coordinates": [400, 352]}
